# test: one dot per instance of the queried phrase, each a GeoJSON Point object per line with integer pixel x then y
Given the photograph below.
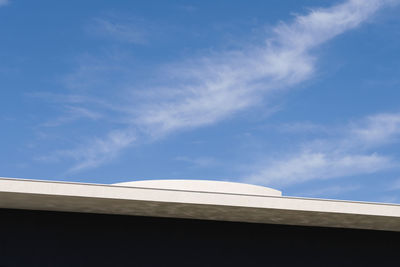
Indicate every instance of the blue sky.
{"type": "Point", "coordinates": [301, 96]}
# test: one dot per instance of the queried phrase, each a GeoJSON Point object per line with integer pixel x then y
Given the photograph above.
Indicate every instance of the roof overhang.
{"type": "Point", "coordinates": [139, 201]}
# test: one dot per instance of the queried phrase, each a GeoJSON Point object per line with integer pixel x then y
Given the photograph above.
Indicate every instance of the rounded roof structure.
{"type": "Point", "coordinates": [208, 186]}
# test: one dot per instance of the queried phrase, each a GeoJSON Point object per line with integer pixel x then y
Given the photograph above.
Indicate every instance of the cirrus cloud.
{"type": "Point", "coordinates": [210, 88]}
{"type": "Point", "coordinates": [4, 2]}
{"type": "Point", "coordinates": [351, 152]}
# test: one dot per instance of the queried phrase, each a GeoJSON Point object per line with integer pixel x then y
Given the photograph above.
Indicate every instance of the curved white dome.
{"type": "Point", "coordinates": [204, 186]}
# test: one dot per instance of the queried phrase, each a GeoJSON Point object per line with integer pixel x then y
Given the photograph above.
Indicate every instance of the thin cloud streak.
{"type": "Point", "coordinates": [202, 162]}
{"type": "Point", "coordinates": [238, 80]}
{"type": "Point", "coordinates": [394, 186]}
{"type": "Point", "coordinates": [99, 150]}
{"type": "Point", "coordinates": [302, 127]}
{"type": "Point", "coordinates": [379, 129]}
{"type": "Point", "coordinates": [130, 32]}
{"type": "Point", "coordinates": [329, 191]}
{"type": "Point", "coordinates": [72, 114]}
{"type": "Point", "coordinates": [308, 166]}
{"type": "Point", "coordinates": [347, 155]}
{"type": "Point", "coordinates": [212, 88]}
{"type": "Point", "coordinates": [4, 2]}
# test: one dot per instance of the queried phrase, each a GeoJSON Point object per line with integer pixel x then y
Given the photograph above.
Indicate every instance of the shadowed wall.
{"type": "Point", "coordinates": [39, 238]}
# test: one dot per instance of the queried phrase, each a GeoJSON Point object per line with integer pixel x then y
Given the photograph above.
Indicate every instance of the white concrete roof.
{"type": "Point", "coordinates": [178, 202]}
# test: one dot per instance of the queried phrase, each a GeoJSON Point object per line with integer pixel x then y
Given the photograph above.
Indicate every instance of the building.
{"type": "Point", "coordinates": [188, 223]}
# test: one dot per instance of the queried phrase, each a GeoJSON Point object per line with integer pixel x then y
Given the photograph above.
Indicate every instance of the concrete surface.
{"type": "Point", "coordinates": [174, 203]}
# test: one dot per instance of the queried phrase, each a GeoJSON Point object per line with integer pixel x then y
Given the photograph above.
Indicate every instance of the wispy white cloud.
{"type": "Point", "coordinates": [344, 155]}
{"type": "Point", "coordinates": [378, 129]}
{"type": "Point", "coordinates": [73, 113]}
{"type": "Point", "coordinates": [76, 100]}
{"type": "Point", "coordinates": [302, 127]}
{"type": "Point", "coordinates": [77, 107]}
{"type": "Point", "coordinates": [201, 162]}
{"type": "Point", "coordinates": [307, 166]}
{"type": "Point", "coordinates": [130, 31]}
{"type": "Point", "coordinates": [214, 87]}
{"type": "Point", "coordinates": [208, 89]}
{"type": "Point", "coordinates": [4, 2]}
{"type": "Point", "coordinates": [93, 73]}
{"type": "Point", "coordinates": [334, 190]}
{"type": "Point", "coordinates": [395, 185]}
{"type": "Point", "coordinates": [99, 150]}
{"type": "Point", "coordinates": [389, 199]}
{"type": "Point", "coordinates": [187, 8]}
